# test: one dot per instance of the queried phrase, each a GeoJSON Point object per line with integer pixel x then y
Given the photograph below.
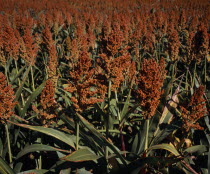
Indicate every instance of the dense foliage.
{"type": "Point", "coordinates": [104, 86]}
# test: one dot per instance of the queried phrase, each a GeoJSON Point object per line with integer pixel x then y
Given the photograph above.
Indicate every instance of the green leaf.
{"type": "Point", "coordinates": [166, 117]}
{"type": "Point", "coordinates": [32, 97]}
{"type": "Point", "coordinates": [80, 156]}
{"type": "Point", "coordinates": [128, 114]}
{"type": "Point", "coordinates": [198, 149]}
{"type": "Point", "coordinates": [5, 168]}
{"type": "Point", "coordinates": [94, 131]}
{"type": "Point", "coordinates": [35, 171]}
{"type": "Point", "coordinates": [83, 171]}
{"type": "Point", "coordinates": [49, 131]}
{"type": "Point", "coordinates": [167, 147]}
{"type": "Point", "coordinates": [113, 104]}
{"type": "Point", "coordinates": [37, 147]}
{"type": "Point", "coordinates": [18, 93]}
{"type": "Point", "coordinates": [94, 143]}
{"type": "Point", "coordinates": [126, 105]}
{"type": "Point", "coordinates": [154, 161]}
{"type": "Point", "coordinates": [17, 74]}
{"type": "Point", "coordinates": [17, 168]}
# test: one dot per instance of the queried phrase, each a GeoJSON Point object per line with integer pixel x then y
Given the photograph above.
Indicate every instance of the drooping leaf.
{"type": "Point", "coordinates": [35, 171]}
{"type": "Point", "coordinates": [83, 171]}
{"type": "Point", "coordinates": [166, 117]}
{"type": "Point", "coordinates": [17, 74]}
{"type": "Point", "coordinates": [167, 147]}
{"type": "Point", "coordinates": [94, 131]}
{"type": "Point", "coordinates": [81, 155]}
{"type": "Point", "coordinates": [93, 142]}
{"type": "Point", "coordinates": [32, 97]}
{"type": "Point", "coordinates": [17, 168]}
{"type": "Point", "coordinates": [51, 132]}
{"type": "Point", "coordinates": [5, 168]}
{"type": "Point", "coordinates": [198, 149]}
{"type": "Point", "coordinates": [37, 147]}
{"type": "Point", "coordinates": [18, 93]}
{"type": "Point", "coordinates": [158, 162]}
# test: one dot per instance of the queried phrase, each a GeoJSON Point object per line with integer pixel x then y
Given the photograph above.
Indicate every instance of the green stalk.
{"type": "Point", "coordinates": [107, 121]}
{"type": "Point", "coordinates": [77, 135]}
{"type": "Point", "coordinates": [194, 76]}
{"type": "Point", "coordinates": [40, 162]}
{"type": "Point", "coordinates": [173, 75]}
{"type": "Point", "coordinates": [118, 113]}
{"type": "Point", "coordinates": [32, 78]}
{"type": "Point", "coordinates": [22, 98]}
{"type": "Point", "coordinates": [147, 135]}
{"type": "Point", "coordinates": [8, 143]}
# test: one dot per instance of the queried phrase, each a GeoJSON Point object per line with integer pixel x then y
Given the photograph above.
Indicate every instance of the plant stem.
{"type": "Point", "coordinates": [32, 79]}
{"type": "Point", "coordinates": [147, 134]}
{"type": "Point", "coordinates": [107, 121]}
{"type": "Point", "coordinates": [22, 98]}
{"type": "Point", "coordinates": [194, 76]}
{"type": "Point", "coordinates": [8, 143]}
{"type": "Point", "coordinates": [40, 162]}
{"type": "Point", "coordinates": [189, 167]}
{"type": "Point", "coordinates": [77, 135]}
{"type": "Point", "coordinates": [122, 142]}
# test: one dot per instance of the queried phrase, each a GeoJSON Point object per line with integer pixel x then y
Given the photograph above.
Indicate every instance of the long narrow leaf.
{"type": "Point", "coordinates": [91, 128]}
{"type": "Point", "coordinates": [198, 149]}
{"type": "Point", "coordinates": [167, 147]}
{"type": "Point", "coordinates": [49, 131]}
{"type": "Point", "coordinates": [166, 116]}
{"type": "Point", "coordinates": [37, 147]}
{"type": "Point", "coordinates": [80, 156]}
{"type": "Point", "coordinates": [35, 171]}
{"type": "Point", "coordinates": [18, 93]}
{"type": "Point", "coordinates": [32, 97]}
{"type": "Point", "coordinates": [5, 168]}
{"type": "Point", "coordinates": [18, 74]}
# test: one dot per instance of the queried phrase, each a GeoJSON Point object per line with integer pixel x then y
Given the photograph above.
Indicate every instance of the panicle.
{"type": "Point", "coordinates": [10, 42]}
{"type": "Point", "coordinates": [52, 55]}
{"type": "Point", "coordinates": [3, 59]}
{"type": "Point", "coordinates": [7, 98]}
{"type": "Point", "coordinates": [173, 43]}
{"type": "Point", "coordinates": [150, 80]}
{"type": "Point", "coordinates": [114, 69]}
{"type": "Point", "coordinates": [86, 89]}
{"type": "Point", "coordinates": [193, 110]}
{"type": "Point", "coordinates": [47, 109]}
{"type": "Point", "coordinates": [114, 40]}
{"type": "Point", "coordinates": [30, 47]}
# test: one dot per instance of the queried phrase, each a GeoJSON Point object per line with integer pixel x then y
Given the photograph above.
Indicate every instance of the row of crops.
{"type": "Point", "coordinates": [104, 86]}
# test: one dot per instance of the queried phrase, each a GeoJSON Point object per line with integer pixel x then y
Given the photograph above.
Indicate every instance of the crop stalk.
{"type": "Point", "coordinates": [22, 98]}
{"type": "Point", "coordinates": [147, 134]}
{"type": "Point", "coordinates": [8, 143]}
{"type": "Point", "coordinates": [77, 135]}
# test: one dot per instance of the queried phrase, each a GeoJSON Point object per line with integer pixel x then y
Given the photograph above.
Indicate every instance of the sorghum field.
{"type": "Point", "coordinates": [104, 86]}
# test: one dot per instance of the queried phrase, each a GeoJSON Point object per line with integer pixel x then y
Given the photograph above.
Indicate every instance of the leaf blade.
{"type": "Point", "coordinates": [80, 156]}
{"type": "Point", "coordinates": [49, 131]}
